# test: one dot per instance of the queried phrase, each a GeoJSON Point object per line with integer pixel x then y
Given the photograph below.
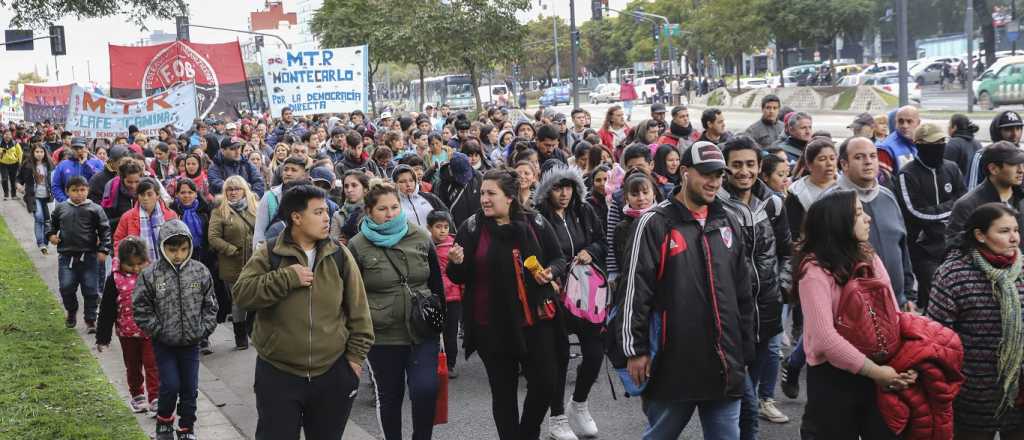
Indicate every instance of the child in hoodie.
{"type": "Point", "coordinates": [116, 309]}
{"type": "Point", "coordinates": [439, 223]}
{"type": "Point", "coordinates": [174, 304]}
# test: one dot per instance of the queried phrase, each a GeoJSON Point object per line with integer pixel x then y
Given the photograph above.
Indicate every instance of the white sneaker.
{"type": "Point", "coordinates": [139, 404]}
{"type": "Point", "coordinates": [580, 421]}
{"type": "Point", "coordinates": [769, 412]}
{"type": "Point", "coordinates": [558, 428]}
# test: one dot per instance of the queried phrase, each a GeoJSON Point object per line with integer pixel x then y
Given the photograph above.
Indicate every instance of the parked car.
{"type": "Point", "coordinates": [927, 72]}
{"type": "Point", "coordinates": [754, 83]}
{"type": "Point", "coordinates": [880, 68]}
{"type": "Point", "coordinates": [607, 92]}
{"type": "Point", "coordinates": [647, 87]}
{"type": "Point", "coordinates": [1001, 84]}
{"type": "Point", "coordinates": [889, 82]}
{"type": "Point", "coordinates": [798, 75]}
{"type": "Point", "coordinates": [556, 95]}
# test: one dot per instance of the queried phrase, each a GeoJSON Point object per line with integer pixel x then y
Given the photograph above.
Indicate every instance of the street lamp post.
{"type": "Point", "coordinates": [901, 47]}
{"type": "Point", "coordinates": [969, 75]}
{"type": "Point", "coordinates": [573, 43]}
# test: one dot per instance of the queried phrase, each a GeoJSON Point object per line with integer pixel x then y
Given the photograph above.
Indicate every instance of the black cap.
{"type": "Point", "coordinates": [1009, 119]}
{"type": "Point", "coordinates": [78, 142]}
{"type": "Point", "coordinates": [1001, 152]}
{"type": "Point", "coordinates": [704, 156]}
{"type": "Point", "coordinates": [863, 119]}
{"type": "Point", "coordinates": [231, 142]}
{"type": "Point", "coordinates": [658, 108]}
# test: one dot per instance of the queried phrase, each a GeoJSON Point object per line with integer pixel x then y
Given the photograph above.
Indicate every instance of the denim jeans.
{"type": "Point", "coordinates": [76, 270]}
{"type": "Point", "coordinates": [720, 419]}
{"type": "Point", "coordinates": [395, 366]}
{"type": "Point", "coordinates": [179, 382]}
{"type": "Point", "coordinates": [797, 359]}
{"type": "Point", "coordinates": [761, 379]}
{"type": "Point", "coordinates": [42, 217]}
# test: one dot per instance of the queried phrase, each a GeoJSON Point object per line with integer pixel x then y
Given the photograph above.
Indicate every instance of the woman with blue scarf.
{"type": "Point", "coordinates": [195, 212]}
{"type": "Point", "coordinates": [398, 260]}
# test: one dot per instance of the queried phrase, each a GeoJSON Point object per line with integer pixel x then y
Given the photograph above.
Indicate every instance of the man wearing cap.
{"type": "Point", "coordinates": [75, 165]}
{"type": "Point", "coordinates": [229, 162]}
{"type": "Point", "coordinates": [858, 159]}
{"type": "Point", "coordinates": [897, 149]}
{"type": "Point", "coordinates": [680, 131]}
{"type": "Point", "coordinates": [927, 188]}
{"type": "Point", "coordinates": [230, 130]}
{"type": "Point", "coordinates": [1006, 126]}
{"type": "Point", "coordinates": [863, 126]}
{"type": "Point", "coordinates": [658, 115]}
{"type": "Point", "coordinates": [768, 129]}
{"type": "Point", "coordinates": [1003, 164]}
{"type": "Point", "coordinates": [675, 249]}
{"type": "Point", "coordinates": [99, 180]}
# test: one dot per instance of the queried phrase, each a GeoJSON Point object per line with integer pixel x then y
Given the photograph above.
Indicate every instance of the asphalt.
{"type": "Point", "coordinates": [227, 404]}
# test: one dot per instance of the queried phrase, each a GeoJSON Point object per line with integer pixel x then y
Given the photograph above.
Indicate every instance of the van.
{"type": "Point", "coordinates": [646, 88]}
{"type": "Point", "coordinates": [496, 94]}
{"type": "Point", "coordinates": [1001, 84]}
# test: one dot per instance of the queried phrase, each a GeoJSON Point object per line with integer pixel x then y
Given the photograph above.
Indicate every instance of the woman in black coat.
{"type": "Point", "coordinates": [35, 174]}
{"type": "Point", "coordinates": [962, 145]}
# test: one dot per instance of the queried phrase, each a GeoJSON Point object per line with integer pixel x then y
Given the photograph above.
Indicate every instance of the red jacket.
{"type": "Point", "coordinates": [130, 224]}
{"type": "Point", "coordinates": [925, 410]}
{"type": "Point", "coordinates": [452, 291]}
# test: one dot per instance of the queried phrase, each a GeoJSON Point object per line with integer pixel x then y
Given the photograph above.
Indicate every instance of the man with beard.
{"type": "Point", "coordinates": [675, 249]}
{"type": "Point", "coordinates": [858, 159]}
{"type": "Point", "coordinates": [767, 235]}
{"type": "Point", "coordinates": [680, 132]}
{"type": "Point", "coordinates": [798, 133]}
{"type": "Point", "coordinates": [928, 187]}
{"type": "Point", "coordinates": [658, 116]}
{"type": "Point", "coordinates": [768, 129]}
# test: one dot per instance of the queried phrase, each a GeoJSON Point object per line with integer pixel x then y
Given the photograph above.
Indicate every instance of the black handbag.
{"type": "Point", "coordinates": [429, 312]}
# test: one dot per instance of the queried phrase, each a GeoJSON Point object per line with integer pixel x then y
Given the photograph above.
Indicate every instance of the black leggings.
{"type": "Point", "coordinates": [8, 178]}
{"type": "Point", "coordinates": [841, 406]}
{"type": "Point", "coordinates": [592, 350]}
{"type": "Point", "coordinates": [503, 376]}
{"type": "Point", "coordinates": [451, 332]}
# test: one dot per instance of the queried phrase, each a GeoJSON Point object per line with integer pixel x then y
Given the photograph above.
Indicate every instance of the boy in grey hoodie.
{"type": "Point", "coordinates": [175, 305]}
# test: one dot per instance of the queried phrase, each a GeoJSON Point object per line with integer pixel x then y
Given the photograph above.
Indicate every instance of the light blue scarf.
{"type": "Point", "coordinates": [388, 234]}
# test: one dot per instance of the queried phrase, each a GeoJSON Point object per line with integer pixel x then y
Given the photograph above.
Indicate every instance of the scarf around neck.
{"type": "Point", "coordinates": [635, 213]}
{"type": "Point", "coordinates": [190, 215]}
{"type": "Point", "coordinates": [1011, 345]}
{"type": "Point", "coordinates": [149, 229]}
{"type": "Point", "coordinates": [866, 195]}
{"type": "Point", "coordinates": [680, 131]}
{"type": "Point", "coordinates": [240, 205]}
{"type": "Point", "coordinates": [385, 235]}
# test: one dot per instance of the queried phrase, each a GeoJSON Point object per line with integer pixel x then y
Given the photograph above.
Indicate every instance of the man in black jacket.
{"type": "Point", "coordinates": [767, 236]}
{"type": "Point", "coordinates": [686, 277]}
{"type": "Point", "coordinates": [1003, 164]}
{"type": "Point", "coordinates": [927, 188]}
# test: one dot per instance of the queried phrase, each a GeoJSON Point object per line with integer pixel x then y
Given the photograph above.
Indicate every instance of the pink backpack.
{"type": "Point", "coordinates": [586, 293]}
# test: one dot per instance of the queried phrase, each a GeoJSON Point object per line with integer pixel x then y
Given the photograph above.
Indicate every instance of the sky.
{"type": "Point", "coordinates": [87, 40]}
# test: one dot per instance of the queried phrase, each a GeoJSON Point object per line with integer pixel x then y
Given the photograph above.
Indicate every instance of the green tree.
{"type": "Point", "coordinates": [482, 35]}
{"type": "Point", "coordinates": [605, 52]}
{"type": "Point", "coordinates": [538, 56]}
{"type": "Point", "coordinates": [730, 28]}
{"type": "Point", "coordinates": [25, 78]}
{"type": "Point", "coordinates": [341, 23]}
{"type": "Point", "coordinates": [40, 13]}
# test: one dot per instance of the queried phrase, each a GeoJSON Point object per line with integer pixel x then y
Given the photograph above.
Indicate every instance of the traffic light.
{"type": "Point", "coordinates": [58, 45]}
{"type": "Point", "coordinates": [655, 31]}
{"type": "Point", "coordinates": [595, 9]}
{"type": "Point", "coordinates": [182, 27]}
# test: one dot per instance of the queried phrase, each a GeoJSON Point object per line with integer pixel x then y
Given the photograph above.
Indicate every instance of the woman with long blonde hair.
{"type": "Point", "coordinates": [231, 229]}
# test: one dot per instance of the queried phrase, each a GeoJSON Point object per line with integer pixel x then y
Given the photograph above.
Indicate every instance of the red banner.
{"type": "Point", "coordinates": [45, 102]}
{"type": "Point", "coordinates": [217, 69]}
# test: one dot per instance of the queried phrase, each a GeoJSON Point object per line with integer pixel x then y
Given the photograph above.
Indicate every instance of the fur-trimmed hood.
{"type": "Point", "coordinates": [557, 174]}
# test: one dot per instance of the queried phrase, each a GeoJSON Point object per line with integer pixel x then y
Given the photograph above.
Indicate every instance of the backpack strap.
{"type": "Point", "coordinates": [275, 260]}
{"type": "Point", "coordinates": [338, 257]}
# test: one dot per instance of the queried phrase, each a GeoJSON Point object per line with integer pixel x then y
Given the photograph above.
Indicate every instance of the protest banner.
{"type": "Point", "coordinates": [317, 80]}
{"type": "Point", "coordinates": [91, 114]}
{"type": "Point", "coordinates": [43, 102]}
{"type": "Point", "coordinates": [216, 69]}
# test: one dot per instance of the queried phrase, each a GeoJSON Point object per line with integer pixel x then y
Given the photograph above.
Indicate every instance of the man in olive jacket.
{"type": "Point", "coordinates": [312, 329]}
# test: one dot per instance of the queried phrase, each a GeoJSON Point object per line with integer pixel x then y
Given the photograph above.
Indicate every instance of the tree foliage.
{"type": "Point", "coordinates": [729, 28]}
{"type": "Point", "coordinates": [538, 55]}
{"type": "Point", "coordinates": [605, 53]}
{"type": "Point", "coordinates": [25, 78]}
{"type": "Point", "coordinates": [39, 14]}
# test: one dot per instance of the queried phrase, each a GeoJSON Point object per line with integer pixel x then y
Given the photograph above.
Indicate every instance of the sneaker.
{"type": "Point", "coordinates": [769, 412]}
{"type": "Point", "coordinates": [790, 381]}
{"type": "Point", "coordinates": [70, 321]}
{"type": "Point", "coordinates": [44, 251]}
{"type": "Point", "coordinates": [139, 404]}
{"type": "Point", "coordinates": [204, 347]}
{"type": "Point", "coordinates": [164, 429]}
{"type": "Point", "coordinates": [452, 372]}
{"type": "Point", "coordinates": [580, 421]}
{"type": "Point", "coordinates": [558, 428]}
{"type": "Point", "coordinates": [153, 405]}
{"type": "Point", "coordinates": [187, 434]}
{"type": "Point", "coordinates": [90, 327]}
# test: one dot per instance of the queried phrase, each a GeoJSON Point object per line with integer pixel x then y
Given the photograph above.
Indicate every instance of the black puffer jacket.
{"type": "Point", "coordinates": [766, 234]}
{"type": "Point", "coordinates": [580, 229]}
{"type": "Point", "coordinates": [696, 280]}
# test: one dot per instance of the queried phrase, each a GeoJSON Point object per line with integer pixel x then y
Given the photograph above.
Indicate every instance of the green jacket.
{"type": "Point", "coordinates": [303, 330]}
{"type": "Point", "coordinates": [230, 237]}
{"type": "Point", "coordinates": [390, 302]}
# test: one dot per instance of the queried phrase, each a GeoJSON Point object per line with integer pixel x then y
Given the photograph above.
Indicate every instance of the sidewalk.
{"type": "Point", "coordinates": [227, 408]}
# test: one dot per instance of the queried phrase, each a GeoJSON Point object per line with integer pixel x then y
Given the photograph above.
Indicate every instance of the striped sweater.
{"type": "Point", "coordinates": [962, 299]}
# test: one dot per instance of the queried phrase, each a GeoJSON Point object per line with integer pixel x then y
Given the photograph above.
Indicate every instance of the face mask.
{"type": "Point", "coordinates": [931, 154]}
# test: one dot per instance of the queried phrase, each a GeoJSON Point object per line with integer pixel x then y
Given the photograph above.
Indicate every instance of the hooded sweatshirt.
{"type": "Point", "coordinates": [174, 303]}
{"type": "Point", "coordinates": [578, 228]}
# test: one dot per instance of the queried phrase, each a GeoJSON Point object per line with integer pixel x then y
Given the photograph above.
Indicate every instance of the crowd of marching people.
{"type": "Point", "coordinates": [706, 266]}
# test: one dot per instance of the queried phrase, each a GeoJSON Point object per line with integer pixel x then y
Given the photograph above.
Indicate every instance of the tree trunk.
{"type": "Point", "coordinates": [780, 53]}
{"type": "Point", "coordinates": [423, 88]}
{"type": "Point", "coordinates": [473, 82]}
{"type": "Point", "coordinates": [738, 69]}
{"type": "Point", "coordinates": [370, 88]}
